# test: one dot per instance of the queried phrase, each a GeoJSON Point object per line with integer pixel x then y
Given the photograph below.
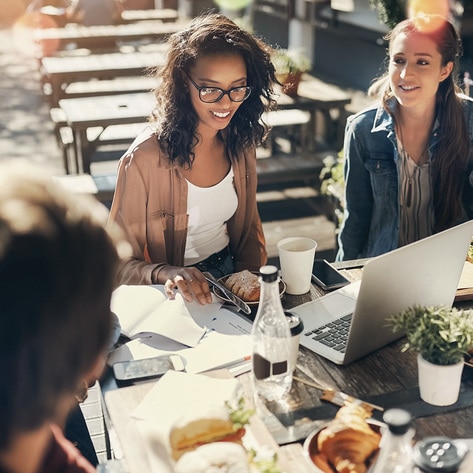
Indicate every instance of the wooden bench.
{"type": "Point", "coordinates": [284, 168]}
{"type": "Point", "coordinates": [290, 124]}
{"type": "Point", "coordinates": [100, 186]}
{"type": "Point", "coordinates": [95, 87]}
{"type": "Point", "coordinates": [97, 136]}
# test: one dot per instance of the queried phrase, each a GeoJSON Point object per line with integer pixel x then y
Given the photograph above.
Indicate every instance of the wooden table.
{"type": "Point", "coordinates": [59, 72]}
{"type": "Point", "coordinates": [385, 371]}
{"type": "Point", "coordinates": [51, 40]}
{"type": "Point", "coordinates": [87, 112]}
{"type": "Point", "coordinates": [162, 14]}
{"type": "Point", "coordinates": [316, 96]}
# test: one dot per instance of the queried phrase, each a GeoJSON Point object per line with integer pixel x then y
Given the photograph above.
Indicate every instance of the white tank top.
{"type": "Point", "coordinates": [209, 209]}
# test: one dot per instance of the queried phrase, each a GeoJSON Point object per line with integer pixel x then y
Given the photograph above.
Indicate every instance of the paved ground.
{"type": "Point", "coordinates": [25, 128]}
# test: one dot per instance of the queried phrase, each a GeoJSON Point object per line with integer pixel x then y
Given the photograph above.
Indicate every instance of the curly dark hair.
{"type": "Point", "coordinates": [450, 162]}
{"type": "Point", "coordinates": [174, 116]}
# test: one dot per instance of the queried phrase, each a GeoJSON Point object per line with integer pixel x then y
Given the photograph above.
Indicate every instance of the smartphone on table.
{"type": "Point", "coordinates": [326, 276]}
{"type": "Point", "coordinates": [149, 368]}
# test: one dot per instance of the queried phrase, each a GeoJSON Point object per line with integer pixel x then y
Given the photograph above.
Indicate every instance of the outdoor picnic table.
{"type": "Point", "coordinates": [59, 72]}
{"type": "Point", "coordinates": [100, 37]}
{"type": "Point", "coordinates": [105, 111]}
{"type": "Point", "coordinates": [162, 14]}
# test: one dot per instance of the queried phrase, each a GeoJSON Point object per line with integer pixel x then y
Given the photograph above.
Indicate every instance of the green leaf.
{"type": "Point", "coordinates": [442, 335]}
{"type": "Point", "coordinates": [390, 12]}
{"type": "Point", "coordinates": [239, 415]}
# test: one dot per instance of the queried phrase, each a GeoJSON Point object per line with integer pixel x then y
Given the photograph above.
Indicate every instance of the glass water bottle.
{"type": "Point", "coordinates": [272, 370]}
{"type": "Point", "coordinates": [395, 454]}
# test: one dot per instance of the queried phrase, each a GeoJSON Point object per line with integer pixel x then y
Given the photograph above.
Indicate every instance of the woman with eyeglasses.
{"type": "Point", "coordinates": [186, 190]}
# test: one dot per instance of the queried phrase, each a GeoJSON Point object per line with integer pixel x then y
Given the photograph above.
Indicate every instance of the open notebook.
{"type": "Point", "coordinates": [425, 273]}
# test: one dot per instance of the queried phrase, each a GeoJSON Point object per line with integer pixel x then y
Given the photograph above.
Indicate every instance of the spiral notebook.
{"type": "Point", "coordinates": [425, 273]}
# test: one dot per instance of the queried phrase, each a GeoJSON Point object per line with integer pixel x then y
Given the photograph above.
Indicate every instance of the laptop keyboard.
{"type": "Point", "coordinates": [334, 334]}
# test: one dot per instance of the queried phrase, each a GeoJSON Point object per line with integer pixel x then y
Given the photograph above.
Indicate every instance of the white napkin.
{"type": "Point", "coordinates": [216, 350]}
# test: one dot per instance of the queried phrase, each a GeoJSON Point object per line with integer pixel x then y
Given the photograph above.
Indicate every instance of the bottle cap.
{"type": "Point", "coordinates": [398, 420]}
{"type": "Point", "coordinates": [295, 323]}
{"type": "Point", "coordinates": [269, 273]}
{"type": "Point", "coordinates": [439, 454]}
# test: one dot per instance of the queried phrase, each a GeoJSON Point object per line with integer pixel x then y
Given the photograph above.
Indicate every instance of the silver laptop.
{"type": "Point", "coordinates": [426, 273]}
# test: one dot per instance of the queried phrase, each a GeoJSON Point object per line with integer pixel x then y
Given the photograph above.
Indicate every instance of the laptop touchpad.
{"type": "Point", "coordinates": [332, 306]}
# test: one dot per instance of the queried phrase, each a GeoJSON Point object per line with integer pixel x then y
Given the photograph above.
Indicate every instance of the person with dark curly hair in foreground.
{"type": "Point", "coordinates": [58, 267]}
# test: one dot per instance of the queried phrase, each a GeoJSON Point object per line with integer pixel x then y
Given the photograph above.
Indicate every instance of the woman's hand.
{"type": "Point", "coordinates": [189, 281]}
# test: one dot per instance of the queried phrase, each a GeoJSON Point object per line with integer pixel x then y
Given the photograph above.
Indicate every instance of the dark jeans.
{"type": "Point", "coordinates": [219, 264]}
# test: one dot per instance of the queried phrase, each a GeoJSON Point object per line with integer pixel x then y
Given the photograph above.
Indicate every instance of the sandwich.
{"type": "Point", "coordinates": [222, 424]}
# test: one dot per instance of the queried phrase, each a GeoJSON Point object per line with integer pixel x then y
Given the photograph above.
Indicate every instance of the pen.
{"type": "Point", "coordinates": [233, 363]}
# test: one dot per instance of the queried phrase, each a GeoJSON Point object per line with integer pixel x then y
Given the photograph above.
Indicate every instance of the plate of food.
{"type": "Point", "coordinates": [349, 442]}
{"type": "Point", "coordinates": [245, 284]}
{"type": "Point", "coordinates": [216, 440]}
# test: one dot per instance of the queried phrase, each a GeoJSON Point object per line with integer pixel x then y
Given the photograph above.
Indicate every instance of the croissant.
{"type": "Point", "coordinates": [245, 285]}
{"type": "Point", "coordinates": [348, 441]}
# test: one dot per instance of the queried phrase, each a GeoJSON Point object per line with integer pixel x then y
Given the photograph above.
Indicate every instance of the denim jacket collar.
{"type": "Point", "coordinates": [384, 121]}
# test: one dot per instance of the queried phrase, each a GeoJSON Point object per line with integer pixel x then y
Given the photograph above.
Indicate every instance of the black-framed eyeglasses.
{"type": "Point", "coordinates": [214, 94]}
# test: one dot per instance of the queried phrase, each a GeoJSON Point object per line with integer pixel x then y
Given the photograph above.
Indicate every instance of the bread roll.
{"type": "Point", "coordinates": [220, 457]}
{"type": "Point", "coordinates": [245, 285]}
{"type": "Point", "coordinates": [348, 442]}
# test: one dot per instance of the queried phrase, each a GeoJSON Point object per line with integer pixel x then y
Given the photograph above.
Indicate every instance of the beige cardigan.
{"type": "Point", "coordinates": [150, 205]}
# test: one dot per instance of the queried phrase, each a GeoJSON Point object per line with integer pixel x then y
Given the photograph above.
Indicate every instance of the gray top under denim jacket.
{"type": "Point", "coordinates": [371, 219]}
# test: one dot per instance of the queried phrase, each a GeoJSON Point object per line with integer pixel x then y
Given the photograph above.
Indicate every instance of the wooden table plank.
{"type": "Point", "coordinates": [83, 113]}
{"type": "Point", "coordinates": [318, 98]}
{"type": "Point", "coordinates": [51, 40]}
{"type": "Point", "coordinates": [62, 71]}
{"type": "Point", "coordinates": [163, 14]}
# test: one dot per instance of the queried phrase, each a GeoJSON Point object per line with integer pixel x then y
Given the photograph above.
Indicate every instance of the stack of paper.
{"type": "Point", "coordinates": [207, 337]}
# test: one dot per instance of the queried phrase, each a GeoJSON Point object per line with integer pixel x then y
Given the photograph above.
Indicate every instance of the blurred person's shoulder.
{"type": "Point", "coordinates": [63, 456]}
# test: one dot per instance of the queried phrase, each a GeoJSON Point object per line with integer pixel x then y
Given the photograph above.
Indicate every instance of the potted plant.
{"type": "Point", "coordinates": [332, 186]}
{"type": "Point", "coordinates": [289, 65]}
{"type": "Point", "coordinates": [441, 336]}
